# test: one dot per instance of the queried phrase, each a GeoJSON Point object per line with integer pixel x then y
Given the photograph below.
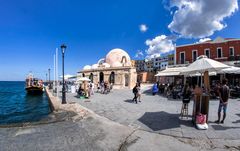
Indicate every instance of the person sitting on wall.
{"type": "Point", "coordinates": [80, 91]}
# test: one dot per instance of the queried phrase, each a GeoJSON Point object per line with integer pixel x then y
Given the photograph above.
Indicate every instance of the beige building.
{"type": "Point", "coordinates": [115, 68]}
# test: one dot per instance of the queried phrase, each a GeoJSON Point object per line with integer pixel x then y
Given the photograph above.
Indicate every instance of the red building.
{"type": "Point", "coordinates": [220, 49]}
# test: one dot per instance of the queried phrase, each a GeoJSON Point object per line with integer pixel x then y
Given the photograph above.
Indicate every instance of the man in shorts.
{"type": "Point", "coordinates": [223, 96]}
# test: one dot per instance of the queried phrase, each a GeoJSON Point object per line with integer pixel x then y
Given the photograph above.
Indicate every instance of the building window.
{"type": "Point", "coordinates": [194, 55]}
{"type": "Point", "coordinates": [231, 51]}
{"type": "Point", "coordinates": [219, 53]}
{"type": "Point", "coordinates": [182, 57]}
{"type": "Point", "coordinates": [207, 53]}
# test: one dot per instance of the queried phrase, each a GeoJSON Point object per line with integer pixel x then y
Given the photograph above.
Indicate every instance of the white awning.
{"type": "Point", "coordinates": [170, 71]}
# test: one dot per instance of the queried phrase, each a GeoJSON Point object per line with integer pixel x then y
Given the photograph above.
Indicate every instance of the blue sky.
{"type": "Point", "coordinates": [31, 30]}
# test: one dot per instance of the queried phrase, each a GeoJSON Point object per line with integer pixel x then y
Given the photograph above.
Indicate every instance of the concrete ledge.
{"type": "Point", "coordinates": [56, 105]}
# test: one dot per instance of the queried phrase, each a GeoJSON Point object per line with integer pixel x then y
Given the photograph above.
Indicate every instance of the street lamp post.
{"type": "Point", "coordinates": [63, 47]}
{"type": "Point", "coordinates": [49, 80]}
{"type": "Point", "coordinates": [49, 75]}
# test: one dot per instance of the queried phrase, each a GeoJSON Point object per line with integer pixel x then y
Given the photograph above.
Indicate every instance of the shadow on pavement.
{"type": "Point", "coordinates": [237, 121]}
{"type": "Point", "coordinates": [162, 120]}
{"type": "Point", "coordinates": [222, 128]}
{"type": "Point", "coordinates": [129, 101]}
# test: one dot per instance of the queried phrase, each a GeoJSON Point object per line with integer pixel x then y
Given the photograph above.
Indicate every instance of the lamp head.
{"type": "Point", "coordinates": [63, 47]}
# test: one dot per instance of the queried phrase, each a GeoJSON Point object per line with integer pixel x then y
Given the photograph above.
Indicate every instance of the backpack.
{"type": "Point", "coordinates": [134, 90]}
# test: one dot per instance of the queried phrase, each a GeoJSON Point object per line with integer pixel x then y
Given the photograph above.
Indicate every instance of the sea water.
{"type": "Point", "coordinates": [16, 106]}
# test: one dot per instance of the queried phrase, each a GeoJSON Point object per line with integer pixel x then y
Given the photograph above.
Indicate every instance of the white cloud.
{"type": "Point", "coordinates": [158, 45]}
{"type": "Point", "coordinates": [143, 28]}
{"type": "Point", "coordinates": [200, 18]}
{"type": "Point", "coordinates": [139, 54]}
{"type": "Point", "coordinates": [203, 40]}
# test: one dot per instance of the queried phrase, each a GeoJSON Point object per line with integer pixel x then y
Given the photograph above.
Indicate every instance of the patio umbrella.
{"type": "Point", "coordinates": [200, 74]}
{"type": "Point", "coordinates": [83, 79]}
{"type": "Point", "coordinates": [170, 71]}
{"type": "Point", "coordinates": [235, 70]}
{"type": "Point", "coordinates": [203, 64]}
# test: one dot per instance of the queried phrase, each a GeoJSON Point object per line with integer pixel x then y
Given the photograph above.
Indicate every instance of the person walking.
{"type": "Point", "coordinates": [223, 102]}
{"type": "Point", "coordinates": [139, 92]}
{"type": "Point", "coordinates": [92, 88]}
{"type": "Point", "coordinates": [135, 92]}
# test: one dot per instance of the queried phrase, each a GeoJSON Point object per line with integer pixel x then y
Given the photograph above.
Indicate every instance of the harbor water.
{"type": "Point", "coordinates": [16, 106]}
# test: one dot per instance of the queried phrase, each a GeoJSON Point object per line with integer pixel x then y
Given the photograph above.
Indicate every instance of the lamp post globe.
{"type": "Point", "coordinates": [63, 48]}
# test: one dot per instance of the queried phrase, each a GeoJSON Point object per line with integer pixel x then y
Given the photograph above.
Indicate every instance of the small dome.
{"type": "Point", "coordinates": [101, 61]}
{"type": "Point", "coordinates": [87, 67]}
{"type": "Point", "coordinates": [95, 66]}
{"type": "Point", "coordinates": [117, 58]}
{"type": "Point", "coordinates": [106, 65]}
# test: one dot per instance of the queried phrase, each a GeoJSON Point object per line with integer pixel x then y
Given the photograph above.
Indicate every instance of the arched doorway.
{"type": "Point", "coordinates": [112, 78]}
{"type": "Point", "coordinates": [126, 80]}
{"type": "Point", "coordinates": [83, 75]}
{"type": "Point", "coordinates": [124, 60]}
{"type": "Point", "coordinates": [101, 77]}
{"type": "Point", "coordinates": [91, 77]}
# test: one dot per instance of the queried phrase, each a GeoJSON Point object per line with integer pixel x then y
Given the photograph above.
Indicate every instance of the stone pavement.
{"type": "Point", "coordinates": [151, 125]}
{"type": "Point", "coordinates": [159, 115]}
{"type": "Point", "coordinates": [88, 134]}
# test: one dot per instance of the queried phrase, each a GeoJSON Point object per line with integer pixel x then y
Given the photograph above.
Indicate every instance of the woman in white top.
{"type": "Point", "coordinates": [139, 92]}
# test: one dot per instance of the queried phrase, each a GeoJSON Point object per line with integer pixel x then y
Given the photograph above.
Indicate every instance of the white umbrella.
{"type": "Point", "coordinates": [203, 64]}
{"type": "Point", "coordinates": [170, 71]}
{"type": "Point", "coordinates": [199, 74]}
{"type": "Point", "coordinates": [83, 79]}
{"type": "Point", "coordinates": [235, 70]}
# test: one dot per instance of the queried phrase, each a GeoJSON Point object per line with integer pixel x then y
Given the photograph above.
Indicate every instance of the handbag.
{"type": "Point", "coordinates": [201, 119]}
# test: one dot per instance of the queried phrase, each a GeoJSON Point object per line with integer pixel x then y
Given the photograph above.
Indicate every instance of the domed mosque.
{"type": "Point", "coordinates": [115, 68]}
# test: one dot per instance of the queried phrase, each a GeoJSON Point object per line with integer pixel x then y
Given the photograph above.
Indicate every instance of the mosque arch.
{"type": "Point", "coordinates": [126, 80]}
{"type": "Point", "coordinates": [101, 77]}
{"type": "Point", "coordinates": [91, 77]}
{"type": "Point", "coordinates": [124, 60]}
{"type": "Point", "coordinates": [112, 77]}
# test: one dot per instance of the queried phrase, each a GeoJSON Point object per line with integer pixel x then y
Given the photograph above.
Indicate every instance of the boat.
{"type": "Point", "coordinates": [33, 85]}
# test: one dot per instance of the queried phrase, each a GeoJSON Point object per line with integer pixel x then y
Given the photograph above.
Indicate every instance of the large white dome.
{"type": "Point", "coordinates": [118, 58]}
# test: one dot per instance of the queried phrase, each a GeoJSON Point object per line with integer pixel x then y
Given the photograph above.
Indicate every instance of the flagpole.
{"type": "Point", "coordinates": [54, 69]}
{"type": "Point", "coordinates": [57, 70]}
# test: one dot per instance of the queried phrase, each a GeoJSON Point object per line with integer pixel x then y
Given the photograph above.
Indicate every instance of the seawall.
{"type": "Point", "coordinates": [55, 105]}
